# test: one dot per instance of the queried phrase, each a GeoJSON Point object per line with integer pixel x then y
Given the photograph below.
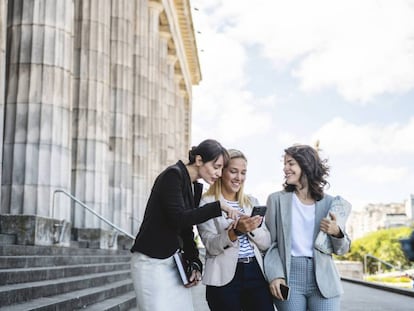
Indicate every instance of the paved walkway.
{"type": "Point", "coordinates": [356, 298]}
{"type": "Point", "coordinates": [199, 298]}
{"type": "Point", "coordinates": [363, 298]}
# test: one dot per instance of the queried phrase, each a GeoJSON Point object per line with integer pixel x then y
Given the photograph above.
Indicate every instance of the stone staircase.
{"type": "Point", "coordinates": [64, 278]}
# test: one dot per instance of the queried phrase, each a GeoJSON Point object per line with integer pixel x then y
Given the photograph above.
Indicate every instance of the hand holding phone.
{"type": "Point", "coordinates": [284, 289]}
{"type": "Point", "coordinates": [259, 210]}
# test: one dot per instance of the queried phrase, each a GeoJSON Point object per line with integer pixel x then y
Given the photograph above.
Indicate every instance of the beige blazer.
{"type": "Point", "coordinates": [221, 252]}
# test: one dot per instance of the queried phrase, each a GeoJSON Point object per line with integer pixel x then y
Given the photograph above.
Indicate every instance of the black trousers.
{"type": "Point", "coordinates": [248, 291]}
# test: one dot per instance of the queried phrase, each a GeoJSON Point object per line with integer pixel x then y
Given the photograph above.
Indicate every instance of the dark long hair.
{"type": "Point", "coordinates": [314, 169]}
{"type": "Point", "coordinates": [209, 150]}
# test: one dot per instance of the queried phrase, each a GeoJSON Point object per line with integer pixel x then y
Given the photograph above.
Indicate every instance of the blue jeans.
{"type": "Point", "coordinates": [248, 291]}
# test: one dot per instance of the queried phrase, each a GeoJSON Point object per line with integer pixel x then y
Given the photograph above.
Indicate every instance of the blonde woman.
{"type": "Point", "coordinates": [234, 267]}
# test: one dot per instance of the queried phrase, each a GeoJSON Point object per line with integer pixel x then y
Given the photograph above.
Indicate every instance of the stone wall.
{"type": "Point", "coordinates": [97, 101]}
{"type": "Point", "coordinates": [350, 269]}
{"type": "Point", "coordinates": [3, 36]}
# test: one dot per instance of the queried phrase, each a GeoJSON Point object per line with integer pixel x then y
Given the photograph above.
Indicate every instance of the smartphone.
{"type": "Point", "coordinates": [259, 210]}
{"type": "Point", "coordinates": [285, 291]}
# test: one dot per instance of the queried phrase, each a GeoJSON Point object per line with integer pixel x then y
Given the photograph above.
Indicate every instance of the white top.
{"type": "Point", "coordinates": [303, 225]}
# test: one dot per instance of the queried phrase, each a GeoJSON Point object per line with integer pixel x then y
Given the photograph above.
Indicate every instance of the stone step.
{"type": "Point", "coordinates": [16, 293]}
{"type": "Point", "coordinates": [7, 239]}
{"type": "Point", "coordinates": [78, 299]}
{"type": "Point", "coordinates": [120, 303]}
{"type": "Point", "coordinates": [30, 250]}
{"type": "Point", "coordinates": [64, 278]}
{"type": "Point", "coordinates": [15, 276]}
{"type": "Point", "coordinates": [13, 262]}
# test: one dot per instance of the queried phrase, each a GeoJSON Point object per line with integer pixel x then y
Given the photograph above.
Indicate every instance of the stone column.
{"type": "Point", "coordinates": [141, 115]}
{"type": "Point", "coordinates": [37, 132]}
{"type": "Point", "coordinates": [173, 139]}
{"type": "Point", "coordinates": [91, 110]}
{"type": "Point", "coordinates": [155, 9]}
{"type": "Point", "coordinates": [181, 113]}
{"type": "Point", "coordinates": [186, 134]}
{"type": "Point", "coordinates": [164, 102]}
{"type": "Point", "coordinates": [3, 38]}
{"type": "Point", "coordinates": [120, 182]}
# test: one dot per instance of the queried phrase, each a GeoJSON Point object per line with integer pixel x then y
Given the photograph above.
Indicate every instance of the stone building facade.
{"type": "Point", "coordinates": [95, 100]}
{"type": "Point", "coordinates": [378, 216]}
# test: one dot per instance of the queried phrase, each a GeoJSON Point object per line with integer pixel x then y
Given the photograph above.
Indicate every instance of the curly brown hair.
{"type": "Point", "coordinates": [314, 169]}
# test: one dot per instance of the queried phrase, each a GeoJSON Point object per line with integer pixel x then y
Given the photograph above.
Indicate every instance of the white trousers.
{"type": "Point", "coordinates": [158, 286]}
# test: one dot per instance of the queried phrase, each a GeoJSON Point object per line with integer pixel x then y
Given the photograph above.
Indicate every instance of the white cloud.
{"type": "Point", "coordinates": [402, 139]}
{"type": "Point", "coordinates": [341, 137]}
{"type": "Point", "coordinates": [369, 56]}
{"type": "Point", "coordinates": [380, 174]}
{"type": "Point", "coordinates": [236, 115]}
{"type": "Point", "coordinates": [222, 105]}
{"type": "Point", "coordinates": [286, 138]}
{"type": "Point", "coordinates": [361, 48]}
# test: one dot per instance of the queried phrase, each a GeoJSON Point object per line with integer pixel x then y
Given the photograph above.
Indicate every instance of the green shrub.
{"type": "Point", "coordinates": [387, 279]}
{"type": "Point", "coordinates": [383, 244]}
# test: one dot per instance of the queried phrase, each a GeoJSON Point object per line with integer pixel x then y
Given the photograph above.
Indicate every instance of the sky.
{"type": "Point", "coordinates": [276, 73]}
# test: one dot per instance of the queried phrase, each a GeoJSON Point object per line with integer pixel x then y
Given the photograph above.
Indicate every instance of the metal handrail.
{"type": "Point", "coordinates": [379, 260]}
{"type": "Point", "coordinates": [90, 210]}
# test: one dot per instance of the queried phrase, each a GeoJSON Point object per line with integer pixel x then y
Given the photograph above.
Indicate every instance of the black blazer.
{"type": "Point", "coordinates": [171, 212]}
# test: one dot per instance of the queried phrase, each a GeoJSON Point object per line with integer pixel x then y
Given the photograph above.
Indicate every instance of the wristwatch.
{"type": "Point", "coordinates": [237, 232]}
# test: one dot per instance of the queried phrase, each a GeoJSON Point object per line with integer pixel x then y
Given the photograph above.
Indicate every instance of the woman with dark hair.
{"type": "Point", "coordinates": [167, 226]}
{"type": "Point", "coordinates": [297, 218]}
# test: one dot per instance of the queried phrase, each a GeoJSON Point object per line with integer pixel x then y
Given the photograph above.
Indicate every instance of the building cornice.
{"type": "Point", "coordinates": [187, 31]}
{"type": "Point", "coordinates": [177, 18]}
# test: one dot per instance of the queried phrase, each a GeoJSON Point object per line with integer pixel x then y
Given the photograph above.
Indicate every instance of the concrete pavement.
{"type": "Point", "coordinates": [199, 298]}
{"type": "Point", "coordinates": [363, 298]}
{"type": "Point", "coordinates": [357, 297]}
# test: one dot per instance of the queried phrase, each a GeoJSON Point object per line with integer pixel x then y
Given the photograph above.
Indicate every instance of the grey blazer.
{"type": "Point", "coordinates": [221, 252]}
{"type": "Point", "coordinates": [277, 259]}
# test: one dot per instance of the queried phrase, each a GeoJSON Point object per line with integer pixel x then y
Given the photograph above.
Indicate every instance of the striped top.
{"type": "Point", "coordinates": [245, 248]}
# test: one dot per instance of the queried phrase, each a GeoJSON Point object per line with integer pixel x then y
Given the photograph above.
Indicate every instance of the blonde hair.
{"type": "Point", "coordinates": [215, 189]}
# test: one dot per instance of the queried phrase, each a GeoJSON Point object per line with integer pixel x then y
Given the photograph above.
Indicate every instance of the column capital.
{"type": "Point", "coordinates": [172, 59]}
{"type": "Point", "coordinates": [178, 78]}
{"type": "Point", "coordinates": [178, 75]}
{"type": "Point", "coordinates": [155, 5]}
{"type": "Point", "coordinates": [165, 33]}
{"type": "Point", "coordinates": [183, 93]}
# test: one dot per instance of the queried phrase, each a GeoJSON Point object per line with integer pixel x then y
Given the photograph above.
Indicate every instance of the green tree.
{"type": "Point", "coordinates": [383, 244]}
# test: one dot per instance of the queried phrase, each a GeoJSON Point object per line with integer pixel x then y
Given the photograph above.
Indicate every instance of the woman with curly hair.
{"type": "Point", "coordinates": [297, 218]}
